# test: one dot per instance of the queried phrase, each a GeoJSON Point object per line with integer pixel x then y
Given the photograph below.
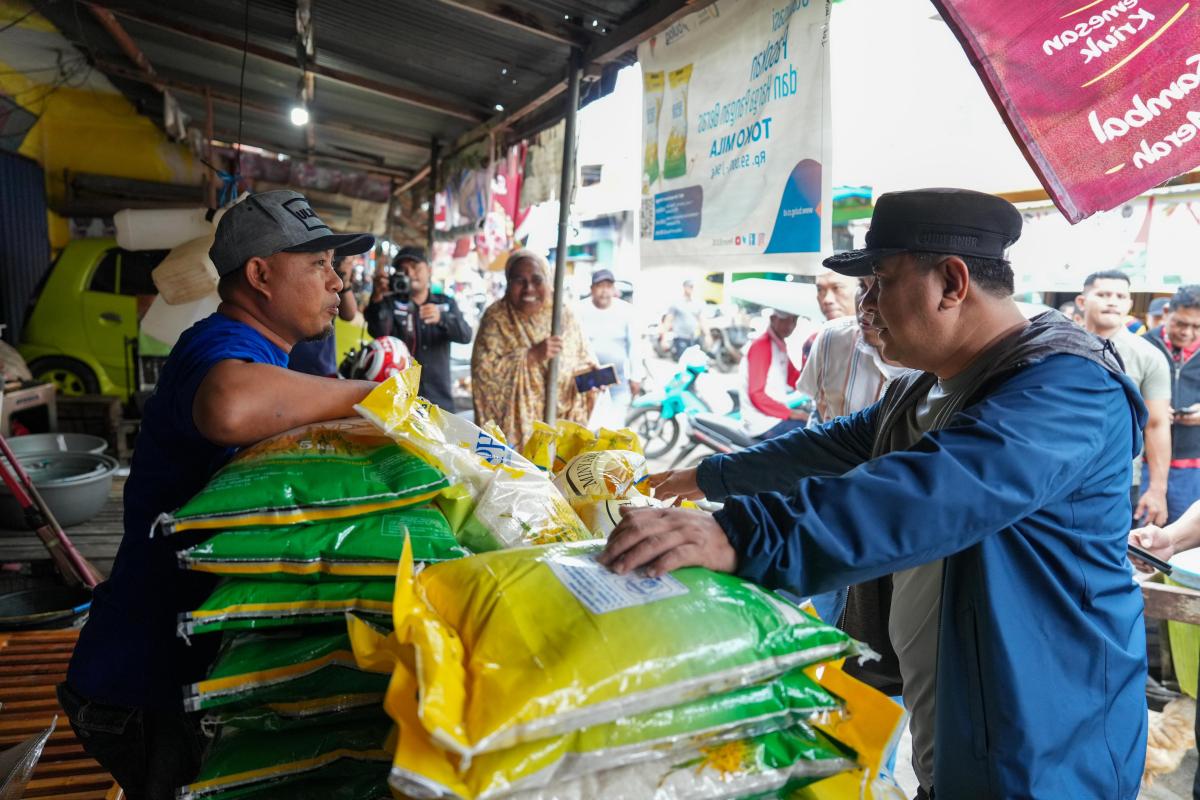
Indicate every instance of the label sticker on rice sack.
{"type": "Point", "coordinates": [601, 475]}
{"type": "Point", "coordinates": [241, 760]}
{"type": "Point", "coordinates": [239, 604]}
{"type": "Point", "coordinates": [327, 470]}
{"type": "Point", "coordinates": [523, 644]}
{"type": "Point", "coordinates": [282, 666]}
{"type": "Point", "coordinates": [359, 547]}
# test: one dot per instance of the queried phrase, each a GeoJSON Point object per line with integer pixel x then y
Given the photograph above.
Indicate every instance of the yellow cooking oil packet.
{"type": "Point", "coordinates": [539, 447]}
{"type": "Point", "coordinates": [499, 499]}
{"type": "Point", "coordinates": [602, 475]}
{"type": "Point", "coordinates": [621, 439]}
{"type": "Point", "coordinates": [573, 439]}
{"type": "Point", "coordinates": [518, 645]}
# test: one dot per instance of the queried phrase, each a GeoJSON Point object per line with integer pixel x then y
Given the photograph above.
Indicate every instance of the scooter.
{"type": "Point", "coordinates": [654, 416]}
{"type": "Point", "coordinates": [723, 433]}
{"type": "Point", "coordinates": [720, 433]}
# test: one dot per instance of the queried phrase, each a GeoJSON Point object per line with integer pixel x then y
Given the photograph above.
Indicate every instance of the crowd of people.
{"type": "Point", "coordinates": [959, 497]}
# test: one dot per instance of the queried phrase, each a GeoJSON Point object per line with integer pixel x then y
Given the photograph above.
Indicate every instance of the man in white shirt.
{"type": "Point", "coordinates": [608, 322]}
{"type": "Point", "coordinates": [845, 371]}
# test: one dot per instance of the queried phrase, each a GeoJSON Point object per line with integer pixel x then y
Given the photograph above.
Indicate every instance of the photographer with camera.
{"type": "Point", "coordinates": [427, 322]}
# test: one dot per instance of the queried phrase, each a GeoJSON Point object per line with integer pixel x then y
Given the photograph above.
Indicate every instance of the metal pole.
{"type": "Point", "coordinates": [434, 152]}
{"type": "Point", "coordinates": [567, 188]}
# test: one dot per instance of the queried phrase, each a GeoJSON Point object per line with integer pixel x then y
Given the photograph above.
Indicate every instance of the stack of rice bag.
{"type": "Point", "coordinates": [538, 673]}
{"type": "Point", "coordinates": [307, 526]}
{"type": "Point", "coordinates": [535, 672]}
{"type": "Point", "coordinates": [302, 528]}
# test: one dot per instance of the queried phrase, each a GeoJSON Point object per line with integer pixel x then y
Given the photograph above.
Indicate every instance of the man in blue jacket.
{"type": "Point", "coordinates": [1007, 454]}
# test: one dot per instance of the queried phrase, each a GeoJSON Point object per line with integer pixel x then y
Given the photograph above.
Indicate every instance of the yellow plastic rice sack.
{"type": "Point", "coordinates": [518, 645]}
{"type": "Point", "coordinates": [328, 470]}
{"type": "Point", "coordinates": [670, 733]}
{"type": "Point", "coordinates": [502, 499]}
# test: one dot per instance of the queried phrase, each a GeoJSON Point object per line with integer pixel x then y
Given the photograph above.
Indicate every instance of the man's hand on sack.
{"type": "Point", "coordinates": [666, 539]}
{"type": "Point", "coordinates": [430, 313]}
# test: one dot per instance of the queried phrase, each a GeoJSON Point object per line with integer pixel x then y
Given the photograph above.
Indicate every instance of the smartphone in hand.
{"type": "Point", "coordinates": [596, 379]}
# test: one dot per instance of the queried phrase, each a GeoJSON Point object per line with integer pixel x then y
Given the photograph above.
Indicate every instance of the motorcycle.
{"type": "Point", "coordinates": [654, 416]}
{"type": "Point", "coordinates": [723, 433]}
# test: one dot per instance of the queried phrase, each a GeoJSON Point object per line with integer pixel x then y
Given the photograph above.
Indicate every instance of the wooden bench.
{"type": "Point", "coordinates": [31, 664]}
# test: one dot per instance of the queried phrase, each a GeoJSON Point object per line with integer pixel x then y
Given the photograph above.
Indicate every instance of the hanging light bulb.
{"type": "Point", "coordinates": [299, 116]}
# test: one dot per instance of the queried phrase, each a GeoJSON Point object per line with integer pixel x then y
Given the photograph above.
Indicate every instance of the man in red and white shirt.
{"type": "Point", "coordinates": [768, 376]}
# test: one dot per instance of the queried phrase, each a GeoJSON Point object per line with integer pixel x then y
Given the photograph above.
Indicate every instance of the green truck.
{"type": "Point", "coordinates": [82, 333]}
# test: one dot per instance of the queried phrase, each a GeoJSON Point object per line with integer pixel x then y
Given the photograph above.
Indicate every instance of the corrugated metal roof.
{"type": "Point", "coordinates": [391, 75]}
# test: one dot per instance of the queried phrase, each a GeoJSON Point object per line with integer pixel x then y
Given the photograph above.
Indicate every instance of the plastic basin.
{"type": "Point", "coordinates": [74, 485]}
{"type": "Point", "coordinates": [56, 443]}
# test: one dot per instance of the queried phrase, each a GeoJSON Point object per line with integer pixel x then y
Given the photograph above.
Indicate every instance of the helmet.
{"type": "Point", "coordinates": [382, 358]}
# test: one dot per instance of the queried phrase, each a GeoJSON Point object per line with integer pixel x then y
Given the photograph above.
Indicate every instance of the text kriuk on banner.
{"type": "Point", "coordinates": [1100, 95]}
{"type": "Point", "coordinates": [736, 137]}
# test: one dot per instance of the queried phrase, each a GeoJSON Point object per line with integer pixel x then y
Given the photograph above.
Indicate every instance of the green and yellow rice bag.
{"type": "Point", "coordinates": [501, 499]}
{"type": "Point", "coordinates": [519, 645]}
{"type": "Point", "coordinates": [285, 666]}
{"type": "Point", "coordinates": [651, 736]}
{"type": "Point", "coordinates": [355, 787]}
{"type": "Point", "coordinates": [241, 761]}
{"type": "Point", "coordinates": [357, 547]}
{"type": "Point", "coordinates": [239, 604]}
{"type": "Point", "coordinates": [328, 470]}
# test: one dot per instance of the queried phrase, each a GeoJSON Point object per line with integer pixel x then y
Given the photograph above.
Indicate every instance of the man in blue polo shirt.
{"type": "Point", "coordinates": [226, 385]}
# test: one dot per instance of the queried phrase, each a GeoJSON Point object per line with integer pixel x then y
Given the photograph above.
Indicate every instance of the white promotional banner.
{"type": "Point", "coordinates": [736, 142]}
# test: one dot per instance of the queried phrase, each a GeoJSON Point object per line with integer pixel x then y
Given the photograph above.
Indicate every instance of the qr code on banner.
{"type": "Point", "coordinates": [647, 226]}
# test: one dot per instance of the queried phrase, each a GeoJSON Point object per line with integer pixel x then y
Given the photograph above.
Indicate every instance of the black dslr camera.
{"type": "Point", "coordinates": [400, 285]}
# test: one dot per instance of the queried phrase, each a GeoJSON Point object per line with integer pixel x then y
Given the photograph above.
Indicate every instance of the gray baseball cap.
{"type": "Point", "coordinates": [275, 222]}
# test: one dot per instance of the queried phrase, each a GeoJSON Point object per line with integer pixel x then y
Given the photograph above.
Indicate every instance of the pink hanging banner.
{"type": "Point", "coordinates": [1103, 97]}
